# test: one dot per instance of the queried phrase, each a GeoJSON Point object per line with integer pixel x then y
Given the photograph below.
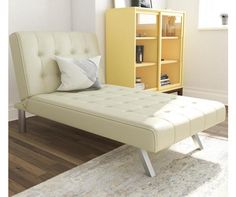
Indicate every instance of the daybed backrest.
{"type": "Point", "coordinates": [33, 57]}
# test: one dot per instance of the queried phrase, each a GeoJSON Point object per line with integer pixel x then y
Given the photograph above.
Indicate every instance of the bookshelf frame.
{"type": "Point", "coordinates": [124, 32]}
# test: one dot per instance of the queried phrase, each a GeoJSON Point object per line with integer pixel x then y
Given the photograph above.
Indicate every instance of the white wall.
{"type": "Point", "coordinates": [30, 15]}
{"type": "Point", "coordinates": [83, 15]}
{"type": "Point", "coordinates": [206, 56]}
{"type": "Point", "coordinates": [89, 16]}
{"type": "Point", "coordinates": [159, 4]}
{"type": "Point", "coordinates": [101, 7]}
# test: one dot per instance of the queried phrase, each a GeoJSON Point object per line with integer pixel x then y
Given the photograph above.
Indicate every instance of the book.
{"type": "Point", "coordinates": [165, 80]}
{"type": "Point", "coordinates": [140, 86]}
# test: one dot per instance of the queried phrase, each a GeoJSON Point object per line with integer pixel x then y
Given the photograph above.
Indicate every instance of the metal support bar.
{"type": "Point", "coordinates": [22, 120]}
{"type": "Point", "coordinates": [197, 141]}
{"type": "Point", "coordinates": [147, 163]}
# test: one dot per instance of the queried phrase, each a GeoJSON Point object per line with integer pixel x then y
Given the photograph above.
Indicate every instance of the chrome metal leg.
{"type": "Point", "coordinates": [147, 163]}
{"type": "Point", "coordinates": [197, 141]}
{"type": "Point", "coordinates": [22, 120]}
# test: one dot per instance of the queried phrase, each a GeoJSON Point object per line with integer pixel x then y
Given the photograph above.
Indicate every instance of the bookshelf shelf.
{"type": "Point", "coordinates": [170, 38]}
{"type": "Point", "coordinates": [146, 38]}
{"type": "Point", "coordinates": [144, 64]}
{"type": "Point", "coordinates": [169, 61]}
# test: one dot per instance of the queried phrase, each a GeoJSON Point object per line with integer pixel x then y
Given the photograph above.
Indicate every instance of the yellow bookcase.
{"type": "Point", "coordinates": [160, 33]}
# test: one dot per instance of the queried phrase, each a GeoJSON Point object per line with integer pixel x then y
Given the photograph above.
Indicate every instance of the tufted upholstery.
{"type": "Point", "coordinates": [146, 119]}
{"type": "Point", "coordinates": [33, 57]}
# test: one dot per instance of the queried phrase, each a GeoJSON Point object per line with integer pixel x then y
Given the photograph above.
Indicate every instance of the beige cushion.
{"type": "Point", "coordinates": [78, 75]}
{"type": "Point", "coordinates": [145, 119]}
{"type": "Point", "coordinates": [33, 56]}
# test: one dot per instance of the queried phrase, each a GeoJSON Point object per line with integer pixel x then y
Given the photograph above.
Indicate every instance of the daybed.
{"type": "Point", "coordinates": [148, 120]}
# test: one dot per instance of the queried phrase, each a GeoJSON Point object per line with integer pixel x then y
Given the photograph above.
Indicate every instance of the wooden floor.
{"type": "Point", "coordinates": [49, 148]}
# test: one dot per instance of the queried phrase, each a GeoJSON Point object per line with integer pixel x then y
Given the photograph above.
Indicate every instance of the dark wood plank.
{"type": "Point", "coordinates": [15, 187]}
{"type": "Point", "coordinates": [48, 149]}
{"type": "Point", "coordinates": [26, 165]}
{"type": "Point", "coordinates": [22, 176]}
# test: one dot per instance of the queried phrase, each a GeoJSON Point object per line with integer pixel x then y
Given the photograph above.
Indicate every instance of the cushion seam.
{"type": "Point", "coordinates": [19, 42]}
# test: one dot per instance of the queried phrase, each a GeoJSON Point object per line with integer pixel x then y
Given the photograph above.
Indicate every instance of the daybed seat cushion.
{"type": "Point", "coordinates": [145, 119]}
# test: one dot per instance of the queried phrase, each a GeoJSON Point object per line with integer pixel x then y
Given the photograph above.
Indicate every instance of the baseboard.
{"type": "Point", "coordinates": [216, 95]}
{"type": "Point", "coordinates": [13, 114]}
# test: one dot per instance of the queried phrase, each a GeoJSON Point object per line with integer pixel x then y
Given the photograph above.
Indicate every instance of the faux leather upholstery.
{"type": "Point", "coordinates": [145, 119]}
{"type": "Point", "coordinates": [33, 56]}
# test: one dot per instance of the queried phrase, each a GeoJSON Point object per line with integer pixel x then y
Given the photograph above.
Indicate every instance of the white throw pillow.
{"type": "Point", "coordinates": [78, 75]}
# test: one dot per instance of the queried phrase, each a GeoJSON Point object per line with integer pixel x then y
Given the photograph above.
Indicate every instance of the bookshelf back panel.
{"type": "Point", "coordinates": [173, 71]}
{"type": "Point", "coordinates": [146, 24]}
{"type": "Point", "coordinates": [148, 76]}
{"type": "Point", "coordinates": [150, 50]}
{"type": "Point", "coordinates": [174, 53]}
{"type": "Point", "coordinates": [146, 30]}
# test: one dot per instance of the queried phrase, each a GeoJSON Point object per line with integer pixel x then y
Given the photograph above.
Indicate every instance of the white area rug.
{"type": "Point", "coordinates": [181, 171]}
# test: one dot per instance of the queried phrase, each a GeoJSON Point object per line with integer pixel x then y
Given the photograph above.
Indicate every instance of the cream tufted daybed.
{"type": "Point", "coordinates": [148, 120]}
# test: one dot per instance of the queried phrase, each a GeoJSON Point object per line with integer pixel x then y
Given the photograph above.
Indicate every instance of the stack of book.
{"type": "Point", "coordinates": [165, 80]}
{"type": "Point", "coordinates": [139, 85]}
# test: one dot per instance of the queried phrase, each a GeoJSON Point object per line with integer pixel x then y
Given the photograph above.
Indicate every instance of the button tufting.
{"type": "Point", "coordinates": [43, 75]}
{"type": "Point", "coordinates": [194, 102]}
{"type": "Point", "coordinates": [40, 53]}
{"type": "Point", "coordinates": [167, 111]}
{"type": "Point", "coordinates": [86, 50]}
{"type": "Point", "coordinates": [72, 51]}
